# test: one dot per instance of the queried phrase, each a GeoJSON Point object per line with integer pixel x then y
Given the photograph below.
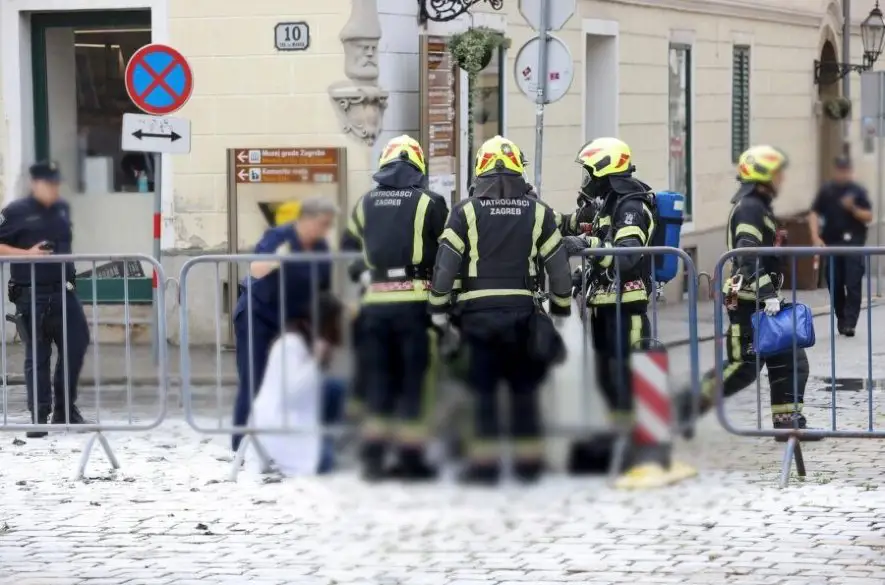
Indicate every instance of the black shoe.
{"type": "Point", "coordinates": [373, 455]}
{"type": "Point", "coordinates": [792, 422]}
{"type": "Point", "coordinates": [683, 404]}
{"type": "Point", "coordinates": [73, 416]}
{"type": "Point", "coordinates": [591, 456]}
{"type": "Point", "coordinates": [412, 467]}
{"type": "Point", "coordinates": [42, 418]}
{"type": "Point", "coordinates": [481, 474]}
{"type": "Point", "coordinates": [848, 332]}
{"type": "Point", "coordinates": [528, 471]}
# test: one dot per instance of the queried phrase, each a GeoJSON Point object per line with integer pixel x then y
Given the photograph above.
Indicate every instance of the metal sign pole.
{"type": "Point", "coordinates": [159, 287]}
{"type": "Point", "coordinates": [541, 98]}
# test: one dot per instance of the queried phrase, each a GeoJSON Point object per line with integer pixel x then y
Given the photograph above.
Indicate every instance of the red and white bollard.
{"type": "Point", "coordinates": [651, 462]}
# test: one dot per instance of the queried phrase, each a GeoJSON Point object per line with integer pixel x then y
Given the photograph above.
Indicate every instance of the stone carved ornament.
{"type": "Point", "coordinates": [360, 102]}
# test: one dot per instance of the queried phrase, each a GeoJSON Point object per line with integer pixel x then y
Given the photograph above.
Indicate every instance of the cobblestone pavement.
{"type": "Point", "coordinates": [167, 516]}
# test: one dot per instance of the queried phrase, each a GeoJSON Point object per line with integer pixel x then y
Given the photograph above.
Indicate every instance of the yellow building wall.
{"type": "Point", "coordinates": [248, 94]}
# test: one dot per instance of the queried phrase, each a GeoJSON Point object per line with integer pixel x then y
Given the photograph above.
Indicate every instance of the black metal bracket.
{"type": "Point", "coordinates": [829, 72]}
{"type": "Point", "coordinates": [446, 10]}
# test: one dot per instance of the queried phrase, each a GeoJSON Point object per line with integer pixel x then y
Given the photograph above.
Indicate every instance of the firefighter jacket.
{"type": "Point", "coordinates": [625, 220]}
{"type": "Point", "coordinates": [492, 247]}
{"type": "Point", "coordinates": [751, 224]}
{"type": "Point", "coordinates": [397, 225]}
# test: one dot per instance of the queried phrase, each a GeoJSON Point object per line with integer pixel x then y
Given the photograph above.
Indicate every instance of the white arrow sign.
{"type": "Point", "coordinates": [243, 174]}
{"type": "Point", "coordinates": [156, 134]}
{"type": "Point", "coordinates": [243, 156]}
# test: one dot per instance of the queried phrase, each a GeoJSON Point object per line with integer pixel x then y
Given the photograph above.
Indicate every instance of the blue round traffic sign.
{"type": "Point", "coordinates": [159, 79]}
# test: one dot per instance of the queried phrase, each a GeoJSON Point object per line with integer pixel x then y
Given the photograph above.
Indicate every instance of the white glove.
{"type": "Point", "coordinates": [366, 278]}
{"type": "Point", "coordinates": [440, 320]}
{"type": "Point", "coordinates": [772, 307]}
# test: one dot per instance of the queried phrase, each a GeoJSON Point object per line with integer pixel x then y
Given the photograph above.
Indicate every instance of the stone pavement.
{"type": "Point", "coordinates": [167, 517]}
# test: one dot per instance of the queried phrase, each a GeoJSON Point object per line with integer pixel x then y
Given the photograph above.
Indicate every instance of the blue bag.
{"type": "Point", "coordinates": [773, 335]}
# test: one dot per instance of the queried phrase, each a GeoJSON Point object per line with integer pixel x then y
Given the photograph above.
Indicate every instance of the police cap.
{"type": "Point", "coordinates": [45, 171]}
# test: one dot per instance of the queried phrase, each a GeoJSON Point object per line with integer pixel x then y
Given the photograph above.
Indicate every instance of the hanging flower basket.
{"type": "Point", "coordinates": [472, 50]}
{"type": "Point", "coordinates": [837, 108]}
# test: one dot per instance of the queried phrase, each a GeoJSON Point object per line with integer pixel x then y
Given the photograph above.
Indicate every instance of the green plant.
{"type": "Point", "coordinates": [472, 51]}
{"type": "Point", "coordinates": [838, 108]}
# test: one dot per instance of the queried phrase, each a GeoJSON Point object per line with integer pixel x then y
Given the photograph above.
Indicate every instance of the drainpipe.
{"type": "Point", "coordinates": [846, 81]}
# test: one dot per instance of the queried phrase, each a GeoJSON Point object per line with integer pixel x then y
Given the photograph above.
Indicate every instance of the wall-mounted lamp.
{"type": "Point", "coordinates": [872, 34]}
{"type": "Point", "coordinates": [446, 10]}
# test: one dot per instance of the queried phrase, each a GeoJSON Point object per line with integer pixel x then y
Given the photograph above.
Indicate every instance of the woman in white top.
{"type": "Point", "coordinates": [292, 393]}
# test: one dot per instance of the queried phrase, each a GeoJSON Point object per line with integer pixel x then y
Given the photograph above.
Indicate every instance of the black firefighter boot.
{"type": "Point", "coordinates": [683, 404]}
{"type": "Point", "coordinates": [485, 473]}
{"type": "Point", "coordinates": [373, 455]}
{"type": "Point", "coordinates": [791, 421]}
{"type": "Point", "coordinates": [42, 418]}
{"type": "Point", "coordinates": [412, 466]}
{"type": "Point", "coordinates": [528, 470]}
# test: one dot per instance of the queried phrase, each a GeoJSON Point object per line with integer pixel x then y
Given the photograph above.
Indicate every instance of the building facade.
{"type": "Point", "coordinates": [687, 83]}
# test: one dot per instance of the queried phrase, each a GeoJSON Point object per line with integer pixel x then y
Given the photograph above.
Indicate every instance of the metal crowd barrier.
{"type": "Point", "coordinates": [622, 430]}
{"type": "Point", "coordinates": [27, 318]}
{"type": "Point", "coordinates": [221, 423]}
{"type": "Point", "coordinates": [794, 437]}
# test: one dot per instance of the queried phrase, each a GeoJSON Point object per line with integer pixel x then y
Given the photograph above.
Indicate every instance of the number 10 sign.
{"type": "Point", "coordinates": [292, 36]}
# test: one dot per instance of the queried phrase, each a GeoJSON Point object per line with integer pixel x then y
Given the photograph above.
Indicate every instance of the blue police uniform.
{"type": "Point", "coordinates": [38, 298]}
{"type": "Point", "coordinates": [266, 310]}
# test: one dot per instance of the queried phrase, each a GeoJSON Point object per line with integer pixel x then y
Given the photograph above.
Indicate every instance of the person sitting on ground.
{"type": "Point", "coordinates": [296, 396]}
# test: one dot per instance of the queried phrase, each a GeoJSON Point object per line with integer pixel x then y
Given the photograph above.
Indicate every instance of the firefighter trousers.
{"type": "Point", "coordinates": [398, 353]}
{"type": "Point", "coordinates": [614, 337]}
{"type": "Point", "coordinates": [497, 352]}
{"type": "Point", "coordinates": [786, 376]}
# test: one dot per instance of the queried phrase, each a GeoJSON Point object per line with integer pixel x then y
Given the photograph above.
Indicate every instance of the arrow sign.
{"type": "Point", "coordinates": [173, 136]}
{"type": "Point", "coordinates": [243, 174]}
{"type": "Point", "coordinates": [156, 134]}
{"type": "Point", "coordinates": [242, 156]}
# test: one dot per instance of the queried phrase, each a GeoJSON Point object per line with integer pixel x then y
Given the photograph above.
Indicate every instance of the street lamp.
{"type": "Point", "coordinates": [872, 34]}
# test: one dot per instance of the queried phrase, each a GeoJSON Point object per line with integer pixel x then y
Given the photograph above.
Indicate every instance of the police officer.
{"type": "Point", "coordinates": [48, 310]}
{"type": "Point", "coordinates": [397, 225]}
{"type": "Point", "coordinates": [751, 224]}
{"type": "Point", "coordinates": [619, 310]}
{"type": "Point", "coordinates": [261, 309]}
{"type": "Point", "coordinates": [494, 242]}
{"type": "Point", "coordinates": [839, 217]}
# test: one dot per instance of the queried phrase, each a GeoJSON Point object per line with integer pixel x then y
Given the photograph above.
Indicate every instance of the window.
{"type": "Point", "coordinates": [80, 97]}
{"type": "Point", "coordinates": [740, 101]}
{"type": "Point", "coordinates": [680, 93]}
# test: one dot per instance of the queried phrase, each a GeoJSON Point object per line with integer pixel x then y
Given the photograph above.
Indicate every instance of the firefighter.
{"type": "Point", "coordinates": [494, 243]}
{"type": "Point", "coordinates": [619, 310]}
{"type": "Point", "coordinates": [751, 223]}
{"type": "Point", "coordinates": [397, 225]}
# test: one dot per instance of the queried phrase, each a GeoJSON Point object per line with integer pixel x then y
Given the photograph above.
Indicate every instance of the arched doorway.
{"type": "Point", "coordinates": [829, 131]}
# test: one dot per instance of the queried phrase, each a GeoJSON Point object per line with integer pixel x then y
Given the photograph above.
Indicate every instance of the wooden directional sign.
{"type": "Point", "coordinates": [286, 165]}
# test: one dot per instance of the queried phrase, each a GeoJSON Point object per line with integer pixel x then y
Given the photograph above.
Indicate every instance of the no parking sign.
{"type": "Point", "coordinates": [159, 79]}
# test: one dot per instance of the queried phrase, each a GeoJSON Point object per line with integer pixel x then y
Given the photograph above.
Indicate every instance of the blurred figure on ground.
{"type": "Point", "coordinates": [295, 394]}
{"type": "Point", "coordinates": [619, 312]}
{"type": "Point", "coordinates": [260, 310]}
{"type": "Point", "coordinates": [494, 243]}
{"type": "Point", "coordinates": [397, 225]}
{"type": "Point", "coordinates": [839, 217]}
{"type": "Point", "coordinates": [755, 282]}
{"type": "Point", "coordinates": [47, 308]}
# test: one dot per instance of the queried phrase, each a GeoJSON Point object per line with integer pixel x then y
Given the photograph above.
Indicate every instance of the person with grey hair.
{"type": "Point", "coordinates": [261, 314]}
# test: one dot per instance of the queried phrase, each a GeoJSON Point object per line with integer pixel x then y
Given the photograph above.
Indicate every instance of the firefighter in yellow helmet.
{"type": "Point", "coordinates": [618, 287]}
{"type": "Point", "coordinates": [751, 223]}
{"type": "Point", "coordinates": [494, 243]}
{"type": "Point", "coordinates": [397, 225]}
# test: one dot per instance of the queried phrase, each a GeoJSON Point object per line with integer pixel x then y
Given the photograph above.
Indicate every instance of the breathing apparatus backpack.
{"type": "Point", "coordinates": [668, 211]}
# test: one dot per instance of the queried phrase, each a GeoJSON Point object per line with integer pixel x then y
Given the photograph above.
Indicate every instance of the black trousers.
{"type": "Point", "coordinates": [846, 288]}
{"type": "Point", "coordinates": [614, 337]}
{"type": "Point", "coordinates": [787, 376]}
{"type": "Point", "coordinates": [498, 352]}
{"type": "Point", "coordinates": [56, 318]}
{"type": "Point", "coordinates": [398, 355]}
